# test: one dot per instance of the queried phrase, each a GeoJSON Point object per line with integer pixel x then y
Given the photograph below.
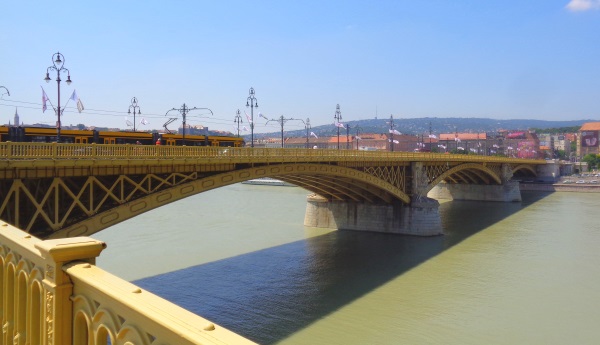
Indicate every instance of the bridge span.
{"type": "Point", "coordinates": [66, 190]}
{"type": "Point", "coordinates": [52, 194]}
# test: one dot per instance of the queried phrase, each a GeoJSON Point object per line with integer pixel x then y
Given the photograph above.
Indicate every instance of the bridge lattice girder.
{"type": "Point", "coordinates": [81, 201]}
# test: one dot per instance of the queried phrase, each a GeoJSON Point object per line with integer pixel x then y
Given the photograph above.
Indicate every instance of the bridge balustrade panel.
{"type": "Point", "coordinates": [52, 293]}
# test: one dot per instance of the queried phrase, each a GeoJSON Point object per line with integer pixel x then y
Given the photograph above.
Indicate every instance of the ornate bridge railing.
{"type": "Point", "coordinates": [53, 151]}
{"type": "Point", "coordinates": [51, 293]}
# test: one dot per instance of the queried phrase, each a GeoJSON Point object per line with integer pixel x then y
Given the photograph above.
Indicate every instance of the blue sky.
{"type": "Point", "coordinates": [508, 59]}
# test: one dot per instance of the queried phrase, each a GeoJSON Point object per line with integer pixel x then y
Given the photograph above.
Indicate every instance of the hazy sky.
{"type": "Point", "coordinates": [509, 59]}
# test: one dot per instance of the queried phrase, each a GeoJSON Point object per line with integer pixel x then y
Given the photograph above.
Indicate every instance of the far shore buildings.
{"type": "Point", "coordinates": [587, 141]}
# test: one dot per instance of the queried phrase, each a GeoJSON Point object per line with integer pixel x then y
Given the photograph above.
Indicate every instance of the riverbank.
{"type": "Point", "coordinates": [560, 187]}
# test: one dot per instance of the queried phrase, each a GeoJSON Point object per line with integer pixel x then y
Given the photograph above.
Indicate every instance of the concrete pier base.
{"type": "Point", "coordinates": [421, 218]}
{"type": "Point", "coordinates": [507, 192]}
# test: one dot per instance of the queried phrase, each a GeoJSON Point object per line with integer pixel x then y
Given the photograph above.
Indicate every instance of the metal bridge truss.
{"type": "Point", "coordinates": [78, 201]}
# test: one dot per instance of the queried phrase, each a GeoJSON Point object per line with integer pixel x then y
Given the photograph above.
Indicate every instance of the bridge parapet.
{"type": "Point", "coordinates": [52, 293]}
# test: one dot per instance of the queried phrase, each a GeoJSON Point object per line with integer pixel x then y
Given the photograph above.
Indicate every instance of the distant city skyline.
{"type": "Point", "coordinates": [494, 59]}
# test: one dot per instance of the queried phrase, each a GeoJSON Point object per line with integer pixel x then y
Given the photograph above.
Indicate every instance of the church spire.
{"type": "Point", "coordinates": [16, 118]}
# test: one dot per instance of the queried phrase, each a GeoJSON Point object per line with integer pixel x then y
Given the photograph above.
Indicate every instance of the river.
{"type": "Point", "coordinates": [503, 273]}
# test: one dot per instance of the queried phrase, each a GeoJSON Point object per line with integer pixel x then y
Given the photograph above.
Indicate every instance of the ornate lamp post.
{"type": "Point", "coordinates": [58, 62]}
{"type": "Point", "coordinates": [357, 135]}
{"type": "Point", "coordinates": [238, 120]}
{"type": "Point", "coordinates": [308, 127]}
{"type": "Point", "coordinates": [391, 133]}
{"type": "Point", "coordinates": [184, 110]}
{"type": "Point", "coordinates": [2, 94]}
{"type": "Point", "coordinates": [338, 117]}
{"type": "Point", "coordinates": [134, 105]}
{"type": "Point", "coordinates": [252, 103]}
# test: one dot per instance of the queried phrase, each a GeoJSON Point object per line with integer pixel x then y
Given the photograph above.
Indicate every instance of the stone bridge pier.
{"type": "Point", "coordinates": [507, 191]}
{"type": "Point", "coordinates": [421, 217]}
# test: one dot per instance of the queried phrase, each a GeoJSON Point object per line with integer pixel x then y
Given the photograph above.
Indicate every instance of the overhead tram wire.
{"type": "Point", "coordinates": [119, 113]}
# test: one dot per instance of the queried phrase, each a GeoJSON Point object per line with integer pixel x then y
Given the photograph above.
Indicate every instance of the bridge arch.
{"type": "Point", "coordinates": [331, 181]}
{"type": "Point", "coordinates": [527, 168]}
{"type": "Point", "coordinates": [477, 172]}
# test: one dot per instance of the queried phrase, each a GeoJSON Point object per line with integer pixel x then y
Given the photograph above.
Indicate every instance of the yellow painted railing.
{"type": "Point", "coordinates": [51, 293]}
{"type": "Point", "coordinates": [25, 151]}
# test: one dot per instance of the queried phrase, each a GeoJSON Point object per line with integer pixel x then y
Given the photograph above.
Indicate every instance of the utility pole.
{"type": "Point", "coordinates": [184, 110]}
{"type": "Point", "coordinates": [282, 120]}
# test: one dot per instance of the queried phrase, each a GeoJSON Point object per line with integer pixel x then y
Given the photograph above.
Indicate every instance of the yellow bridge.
{"type": "Point", "coordinates": [50, 194]}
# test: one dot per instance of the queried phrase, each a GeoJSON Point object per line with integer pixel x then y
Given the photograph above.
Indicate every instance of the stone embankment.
{"type": "Point", "coordinates": [560, 187]}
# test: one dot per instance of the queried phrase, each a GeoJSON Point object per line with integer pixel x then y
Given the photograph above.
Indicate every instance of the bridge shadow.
{"type": "Point", "coordinates": [270, 294]}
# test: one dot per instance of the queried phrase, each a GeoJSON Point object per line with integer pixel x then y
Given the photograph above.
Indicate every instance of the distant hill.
{"type": "Point", "coordinates": [438, 125]}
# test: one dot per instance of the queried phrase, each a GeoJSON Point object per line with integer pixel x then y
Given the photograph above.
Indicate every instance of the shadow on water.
{"type": "Point", "coordinates": [270, 294]}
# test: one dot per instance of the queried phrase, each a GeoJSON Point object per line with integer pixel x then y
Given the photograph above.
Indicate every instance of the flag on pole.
{"type": "Point", "coordinates": [339, 124]}
{"type": "Point", "coordinates": [44, 100]}
{"type": "Point", "coordinates": [79, 106]}
{"type": "Point", "coordinates": [358, 138]}
{"type": "Point", "coordinates": [143, 121]}
{"type": "Point", "coordinates": [248, 117]}
{"type": "Point", "coordinates": [314, 135]}
{"type": "Point", "coordinates": [74, 97]}
{"type": "Point", "coordinates": [432, 136]}
{"type": "Point", "coordinates": [393, 131]}
{"type": "Point", "coordinates": [127, 122]}
{"type": "Point", "coordinates": [457, 140]}
{"type": "Point", "coordinates": [244, 129]}
{"type": "Point", "coordinates": [261, 115]}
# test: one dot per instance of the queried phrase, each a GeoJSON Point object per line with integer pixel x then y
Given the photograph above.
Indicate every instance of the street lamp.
{"type": "Point", "coordinates": [391, 133]}
{"type": "Point", "coordinates": [184, 110]}
{"type": "Point", "coordinates": [58, 65]}
{"type": "Point", "coordinates": [357, 135]}
{"type": "Point", "coordinates": [252, 103]}
{"type": "Point", "coordinates": [238, 120]}
{"type": "Point", "coordinates": [2, 94]}
{"type": "Point", "coordinates": [308, 127]}
{"type": "Point", "coordinates": [338, 117]}
{"type": "Point", "coordinates": [134, 105]}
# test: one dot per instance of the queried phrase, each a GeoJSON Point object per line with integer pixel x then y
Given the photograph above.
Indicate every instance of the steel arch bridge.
{"type": "Point", "coordinates": [66, 190]}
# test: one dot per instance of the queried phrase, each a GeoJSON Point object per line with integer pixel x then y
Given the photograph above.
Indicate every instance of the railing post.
{"type": "Point", "coordinates": [58, 325]}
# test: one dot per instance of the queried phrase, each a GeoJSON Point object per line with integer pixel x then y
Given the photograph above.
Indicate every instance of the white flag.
{"type": "Point", "coordinates": [314, 135]}
{"type": "Point", "coordinates": [128, 123]}
{"type": "Point", "coordinates": [79, 106]}
{"type": "Point", "coordinates": [248, 117]}
{"type": "Point", "coordinates": [339, 124]}
{"type": "Point", "coordinates": [143, 121]}
{"type": "Point", "coordinates": [44, 100]}
{"type": "Point", "coordinates": [358, 138]}
{"type": "Point", "coordinates": [244, 129]}
{"type": "Point", "coordinates": [74, 97]}
{"type": "Point", "coordinates": [393, 131]}
{"type": "Point", "coordinates": [457, 140]}
{"type": "Point", "coordinates": [460, 148]}
{"type": "Point", "coordinates": [261, 115]}
{"type": "Point", "coordinates": [432, 136]}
